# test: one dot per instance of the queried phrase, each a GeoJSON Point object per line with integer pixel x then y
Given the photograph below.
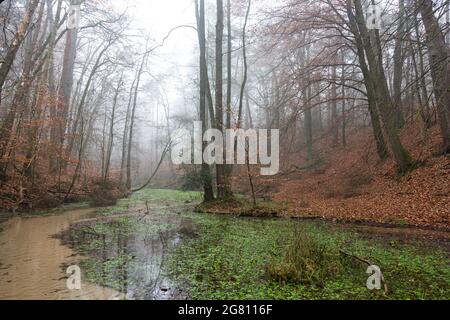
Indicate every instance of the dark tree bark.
{"type": "Point", "coordinates": [376, 81]}
{"type": "Point", "coordinates": [343, 102]}
{"type": "Point", "coordinates": [123, 164]}
{"type": "Point", "coordinates": [334, 112]}
{"type": "Point", "coordinates": [66, 84]}
{"type": "Point", "coordinates": [399, 59]}
{"type": "Point", "coordinates": [51, 83]}
{"type": "Point", "coordinates": [439, 56]}
{"type": "Point", "coordinates": [219, 95]}
{"type": "Point", "coordinates": [307, 110]}
{"type": "Point", "coordinates": [205, 171]}
{"type": "Point", "coordinates": [228, 167]}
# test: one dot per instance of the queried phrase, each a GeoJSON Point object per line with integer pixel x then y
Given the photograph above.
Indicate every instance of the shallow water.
{"type": "Point", "coordinates": [129, 254]}
{"type": "Point", "coordinates": [32, 260]}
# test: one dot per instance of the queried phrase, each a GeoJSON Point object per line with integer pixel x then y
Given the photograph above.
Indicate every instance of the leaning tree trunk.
{"type": "Point", "coordinates": [377, 81]}
{"type": "Point", "coordinates": [371, 96]}
{"type": "Point", "coordinates": [439, 55]}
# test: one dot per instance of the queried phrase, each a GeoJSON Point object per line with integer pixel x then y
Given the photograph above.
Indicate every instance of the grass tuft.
{"type": "Point", "coordinates": [305, 261]}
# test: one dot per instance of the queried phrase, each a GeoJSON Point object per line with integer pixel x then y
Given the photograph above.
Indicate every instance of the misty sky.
{"type": "Point", "coordinates": [175, 59]}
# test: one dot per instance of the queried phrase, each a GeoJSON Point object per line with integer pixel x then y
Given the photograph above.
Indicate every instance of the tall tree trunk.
{"type": "Point", "coordinates": [447, 20]}
{"type": "Point", "coordinates": [378, 83]}
{"type": "Point", "coordinates": [111, 131]}
{"type": "Point", "coordinates": [368, 81]}
{"type": "Point", "coordinates": [133, 116]}
{"type": "Point", "coordinates": [249, 118]}
{"type": "Point", "coordinates": [241, 100]}
{"type": "Point", "coordinates": [229, 47]}
{"type": "Point", "coordinates": [422, 74]}
{"type": "Point", "coordinates": [51, 83]}
{"type": "Point", "coordinates": [307, 108]}
{"type": "Point", "coordinates": [66, 84]}
{"type": "Point", "coordinates": [343, 102]}
{"type": "Point", "coordinates": [439, 56]}
{"type": "Point", "coordinates": [334, 113]}
{"type": "Point", "coordinates": [205, 170]}
{"type": "Point", "coordinates": [123, 164]}
{"type": "Point", "coordinates": [244, 54]}
{"type": "Point", "coordinates": [219, 95]}
{"type": "Point", "coordinates": [399, 58]}
{"type": "Point", "coordinates": [229, 167]}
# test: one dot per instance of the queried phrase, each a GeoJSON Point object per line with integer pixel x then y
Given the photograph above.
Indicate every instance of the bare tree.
{"type": "Point", "coordinates": [440, 68]}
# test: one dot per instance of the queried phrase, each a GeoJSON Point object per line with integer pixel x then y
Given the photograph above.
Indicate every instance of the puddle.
{"type": "Point", "coordinates": [128, 253]}
{"type": "Point", "coordinates": [123, 254]}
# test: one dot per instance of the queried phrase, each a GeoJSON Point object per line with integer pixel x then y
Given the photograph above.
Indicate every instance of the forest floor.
{"type": "Point", "coordinates": [351, 184]}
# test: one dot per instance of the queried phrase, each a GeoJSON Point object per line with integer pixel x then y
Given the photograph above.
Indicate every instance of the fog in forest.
{"type": "Point", "coordinates": [314, 138]}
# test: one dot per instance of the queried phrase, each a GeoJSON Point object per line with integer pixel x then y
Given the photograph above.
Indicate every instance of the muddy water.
{"type": "Point", "coordinates": [128, 252]}
{"type": "Point", "coordinates": [32, 260]}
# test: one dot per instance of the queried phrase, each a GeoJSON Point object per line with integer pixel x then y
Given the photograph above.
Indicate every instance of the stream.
{"type": "Point", "coordinates": [127, 251]}
{"type": "Point", "coordinates": [31, 260]}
